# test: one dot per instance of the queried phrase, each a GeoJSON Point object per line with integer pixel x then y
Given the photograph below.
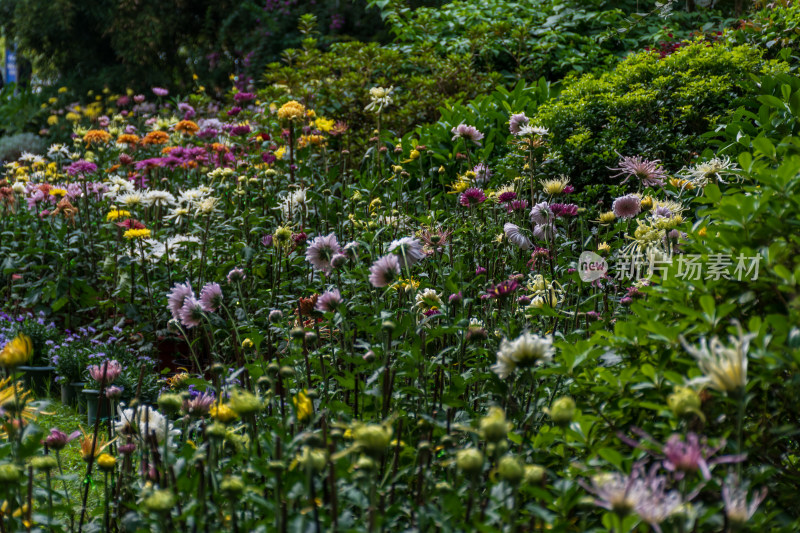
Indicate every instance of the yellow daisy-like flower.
{"type": "Point", "coordinates": [407, 285]}
{"type": "Point", "coordinates": [18, 351]}
{"type": "Point", "coordinates": [324, 124]}
{"type": "Point", "coordinates": [137, 234]}
{"type": "Point", "coordinates": [555, 186]}
{"type": "Point", "coordinates": [58, 192]}
{"type": "Point", "coordinates": [116, 214]}
{"type": "Point", "coordinates": [303, 406]}
{"type": "Point", "coordinates": [73, 117]}
{"type": "Point", "coordinates": [280, 152]}
{"type": "Point", "coordinates": [607, 217]}
{"type": "Point", "coordinates": [457, 187]}
{"type": "Point", "coordinates": [52, 120]}
{"type": "Point", "coordinates": [291, 110]}
{"type": "Point", "coordinates": [106, 462]}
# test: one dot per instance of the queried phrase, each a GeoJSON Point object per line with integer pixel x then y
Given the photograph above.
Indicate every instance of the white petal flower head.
{"type": "Point", "coordinates": [525, 351]}
{"type": "Point", "coordinates": [144, 421]}
{"type": "Point", "coordinates": [516, 237]}
{"type": "Point", "coordinates": [380, 97]}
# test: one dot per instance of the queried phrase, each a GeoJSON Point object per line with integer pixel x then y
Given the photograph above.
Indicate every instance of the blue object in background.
{"type": "Point", "coordinates": [11, 66]}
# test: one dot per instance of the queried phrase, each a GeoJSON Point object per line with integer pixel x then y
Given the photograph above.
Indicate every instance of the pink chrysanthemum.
{"type": "Point", "coordinates": [384, 271]}
{"type": "Point", "coordinates": [541, 213]}
{"type": "Point", "coordinates": [517, 205]}
{"type": "Point", "coordinates": [472, 197]}
{"type": "Point", "coordinates": [627, 206]}
{"type": "Point", "coordinates": [516, 123]}
{"type": "Point", "coordinates": [106, 375]}
{"type": "Point", "coordinates": [408, 251]}
{"type": "Point", "coordinates": [468, 133]}
{"type": "Point", "coordinates": [329, 301]}
{"type": "Point", "coordinates": [482, 173]}
{"type": "Point", "coordinates": [192, 312]}
{"type": "Point", "coordinates": [649, 173]}
{"type": "Point", "coordinates": [321, 250]}
{"type": "Point", "coordinates": [564, 210]}
{"type": "Point", "coordinates": [515, 236]}
{"type": "Point", "coordinates": [211, 297]}
{"type": "Point", "coordinates": [176, 298]}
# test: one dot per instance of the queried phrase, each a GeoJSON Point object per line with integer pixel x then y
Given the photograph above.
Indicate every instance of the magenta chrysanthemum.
{"type": "Point", "coordinates": [176, 298]}
{"type": "Point", "coordinates": [564, 210]}
{"type": "Point", "coordinates": [627, 206]}
{"type": "Point", "coordinates": [321, 250]}
{"type": "Point", "coordinates": [211, 297]}
{"type": "Point", "coordinates": [471, 197]}
{"type": "Point", "coordinates": [517, 205]}
{"type": "Point", "coordinates": [649, 173]}
{"type": "Point", "coordinates": [329, 301]}
{"type": "Point", "coordinates": [384, 271]}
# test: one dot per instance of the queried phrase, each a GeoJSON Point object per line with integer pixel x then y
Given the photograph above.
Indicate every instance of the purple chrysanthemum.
{"type": "Point", "coordinates": [471, 197]}
{"type": "Point", "coordinates": [176, 298]}
{"type": "Point", "coordinates": [516, 122]}
{"type": "Point", "coordinates": [408, 251]}
{"type": "Point", "coordinates": [211, 297]}
{"type": "Point", "coordinates": [321, 250]}
{"type": "Point", "coordinates": [627, 206]}
{"type": "Point", "coordinates": [505, 197]}
{"type": "Point", "coordinates": [236, 274]}
{"type": "Point", "coordinates": [159, 91]}
{"type": "Point", "coordinates": [243, 97]}
{"type": "Point", "coordinates": [192, 312]}
{"type": "Point", "coordinates": [242, 129]}
{"type": "Point", "coordinates": [543, 232]}
{"type": "Point", "coordinates": [81, 167]}
{"type": "Point", "coordinates": [564, 210]}
{"type": "Point", "coordinates": [329, 301]}
{"type": "Point", "coordinates": [541, 213]}
{"type": "Point", "coordinates": [517, 205]}
{"type": "Point", "coordinates": [503, 289]}
{"type": "Point", "coordinates": [384, 271]}
{"type": "Point", "coordinates": [468, 133]}
{"type": "Point", "coordinates": [649, 173]}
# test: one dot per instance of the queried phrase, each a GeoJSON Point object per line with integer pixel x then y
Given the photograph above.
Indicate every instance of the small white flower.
{"type": "Point", "coordinates": [525, 351]}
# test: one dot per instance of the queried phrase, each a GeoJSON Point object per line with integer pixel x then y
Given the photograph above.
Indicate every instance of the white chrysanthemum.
{"type": "Point", "coordinates": [516, 237]}
{"type": "Point", "coordinates": [57, 150]}
{"type": "Point", "coordinates": [28, 157]}
{"type": "Point", "coordinates": [380, 97]}
{"type": "Point", "coordinates": [206, 206]}
{"type": "Point", "coordinates": [192, 196]}
{"type": "Point", "coordinates": [525, 351]}
{"type": "Point", "coordinates": [428, 299]}
{"type": "Point", "coordinates": [142, 422]}
{"type": "Point", "coordinates": [158, 198]}
{"type": "Point", "coordinates": [293, 203]}
{"type": "Point", "coordinates": [117, 185]}
{"type": "Point", "coordinates": [178, 214]}
{"type": "Point", "coordinates": [18, 187]}
{"type": "Point", "coordinates": [131, 199]}
{"type": "Point", "coordinates": [532, 130]}
{"type": "Point", "coordinates": [725, 368]}
{"type": "Point", "coordinates": [711, 171]}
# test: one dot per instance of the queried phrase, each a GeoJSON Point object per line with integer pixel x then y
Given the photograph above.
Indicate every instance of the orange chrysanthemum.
{"type": "Point", "coordinates": [187, 127]}
{"type": "Point", "coordinates": [96, 137]}
{"type": "Point", "coordinates": [155, 137]}
{"type": "Point", "coordinates": [128, 138]}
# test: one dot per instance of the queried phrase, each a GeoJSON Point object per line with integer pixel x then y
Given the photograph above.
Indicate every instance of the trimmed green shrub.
{"type": "Point", "coordinates": [649, 106]}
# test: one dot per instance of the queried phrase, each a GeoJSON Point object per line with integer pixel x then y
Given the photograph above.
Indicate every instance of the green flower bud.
{"type": "Point", "coordinates": [534, 474]}
{"type": "Point", "coordinates": [510, 469]}
{"type": "Point", "coordinates": [287, 371]}
{"type": "Point", "coordinates": [9, 473]}
{"type": "Point", "coordinates": [562, 411]}
{"type": "Point", "coordinates": [684, 402]}
{"type": "Point", "coordinates": [298, 333]}
{"type": "Point", "coordinates": [493, 427]}
{"type": "Point", "coordinates": [170, 403]}
{"type": "Point", "coordinates": [44, 463]}
{"type": "Point", "coordinates": [161, 501]}
{"type": "Point", "coordinates": [273, 368]}
{"type": "Point", "coordinates": [232, 485]}
{"type": "Point", "coordinates": [469, 461]}
{"type": "Point", "coordinates": [365, 463]}
{"type": "Point", "coordinates": [373, 438]}
{"type": "Point", "coordinates": [388, 326]}
{"type": "Point", "coordinates": [216, 430]}
{"type": "Point", "coordinates": [244, 402]}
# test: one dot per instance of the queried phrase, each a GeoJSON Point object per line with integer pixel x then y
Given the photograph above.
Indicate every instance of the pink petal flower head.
{"type": "Point", "coordinates": [482, 173]}
{"type": "Point", "coordinates": [516, 123]}
{"type": "Point", "coordinates": [541, 213]}
{"type": "Point", "coordinates": [408, 251]}
{"type": "Point", "coordinates": [627, 206]}
{"type": "Point", "coordinates": [106, 372]}
{"type": "Point", "coordinates": [192, 312]}
{"type": "Point", "coordinates": [564, 210]}
{"type": "Point", "coordinates": [57, 439]}
{"type": "Point", "coordinates": [329, 301]}
{"type": "Point", "coordinates": [236, 274]}
{"type": "Point", "coordinates": [468, 133]}
{"type": "Point", "coordinates": [159, 91]}
{"type": "Point", "coordinates": [517, 205]}
{"type": "Point", "coordinates": [321, 251]}
{"type": "Point", "coordinates": [384, 271]}
{"type": "Point", "coordinates": [177, 296]}
{"type": "Point", "coordinates": [649, 173]}
{"type": "Point", "coordinates": [506, 197]}
{"type": "Point", "coordinates": [211, 297]}
{"type": "Point", "coordinates": [472, 197]}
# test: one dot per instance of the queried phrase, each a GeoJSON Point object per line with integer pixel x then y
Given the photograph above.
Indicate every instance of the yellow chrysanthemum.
{"type": "Point", "coordinates": [291, 110]}
{"type": "Point", "coordinates": [137, 234]}
{"type": "Point", "coordinates": [18, 351]}
{"type": "Point", "coordinates": [555, 186]}
{"type": "Point", "coordinates": [116, 214]}
{"type": "Point", "coordinates": [52, 120]}
{"type": "Point", "coordinates": [58, 192]}
{"type": "Point", "coordinates": [303, 406]}
{"type": "Point", "coordinates": [324, 124]}
{"type": "Point", "coordinates": [222, 413]}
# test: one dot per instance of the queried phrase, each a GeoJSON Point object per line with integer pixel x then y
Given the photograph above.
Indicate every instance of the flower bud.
{"type": "Point", "coordinates": [9, 473]}
{"type": "Point", "coordinates": [106, 462]}
{"type": "Point", "coordinates": [493, 427]}
{"type": "Point", "coordinates": [534, 474]}
{"type": "Point", "coordinates": [388, 326]}
{"type": "Point", "coordinates": [372, 438]}
{"type": "Point", "coordinates": [510, 469]}
{"type": "Point", "coordinates": [469, 461]}
{"type": "Point", "coordinates": [684, 401]}
{"type": "Point", "coordinates": [232, 485]}
{"type": "Point", "coordinates": [298, 333]}
{"type": "Point", "coordinates": [44, 463]}
{"type": "Point", "coordinates": [170, 403]}
{"type": "Point", "coordinates": [275, 316]}
{"type": "Point", "coordinates": [161, 501]}
{"type": "Point", "coordinates": [562, 411]}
